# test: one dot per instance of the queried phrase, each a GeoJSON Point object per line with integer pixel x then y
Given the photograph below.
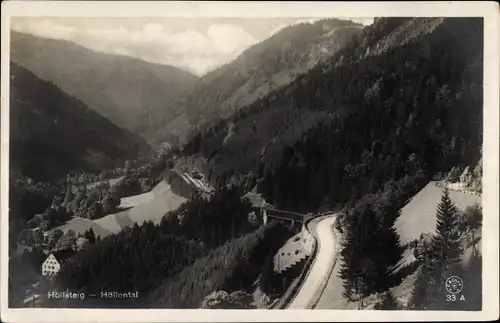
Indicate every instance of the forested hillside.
{"type": "Point", "coordinates": [53, 133]}
{"type": "Point", "coordinates": [356, 121]}
{"type": "Point", "coordinates": [233, 267]}
{"type": "Point", "coordinates": [266, 66]}
{"type": "Point", "coordinates": [121, 88]}
{"type": "Point", "coordinates": [150, 257]}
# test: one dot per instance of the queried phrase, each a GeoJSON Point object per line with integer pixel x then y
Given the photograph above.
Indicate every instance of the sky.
{"type": "Point", "coordinates": [197, 45]}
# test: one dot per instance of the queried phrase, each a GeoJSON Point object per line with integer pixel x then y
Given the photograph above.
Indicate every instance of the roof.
{"type": "Point", "coordinates": [256, 199]}
{"type": "Point", "coordinates": [64, 254]}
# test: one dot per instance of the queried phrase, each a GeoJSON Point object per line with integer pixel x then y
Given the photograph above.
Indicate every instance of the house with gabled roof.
{"type": "Point", "coordinates": [54, 261]}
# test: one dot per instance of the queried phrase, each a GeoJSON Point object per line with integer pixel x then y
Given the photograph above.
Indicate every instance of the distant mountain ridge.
{"type": "Point", "coordinates": [52, 133]}
{"type": "Point", "coordinates": [268, 65]}
{"type": "Point", "coordinates": [124, 89]}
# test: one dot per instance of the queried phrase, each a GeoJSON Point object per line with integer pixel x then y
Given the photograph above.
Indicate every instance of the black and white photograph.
{"type": "Point", "coordinates": [232, 161]}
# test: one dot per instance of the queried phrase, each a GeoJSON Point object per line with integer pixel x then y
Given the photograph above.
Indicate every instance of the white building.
{"type": "Point", "coordinates": [52, 264]}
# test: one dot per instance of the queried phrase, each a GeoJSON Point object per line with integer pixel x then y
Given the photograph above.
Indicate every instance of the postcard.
{"type": "Point", "coordinates": [214, 161]}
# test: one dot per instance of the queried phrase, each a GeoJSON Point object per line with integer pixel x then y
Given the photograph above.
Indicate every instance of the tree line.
{"type": "Point", "coordinates": [141, 258]}
{"type": "Point", "coordinates": [232, 267]}
{"type": "Point", "coordinates": [63, 200]}
{"type": "Point", "coordinates": [370, 245]}
{"type": "Point", "coordinates": [442, 256]}
{"type": "Point", "coordinates": [371, 250]}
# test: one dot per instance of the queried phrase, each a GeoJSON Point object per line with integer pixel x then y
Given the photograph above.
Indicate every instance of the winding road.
{"type": "Point", "coordinates": [316, 280]}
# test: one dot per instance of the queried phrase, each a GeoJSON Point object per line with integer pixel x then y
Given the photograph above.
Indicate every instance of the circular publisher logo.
{"type": "Point", "coordinates": [454, 285]}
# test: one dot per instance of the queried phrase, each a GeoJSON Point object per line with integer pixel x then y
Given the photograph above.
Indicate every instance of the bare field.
{"type": "Point", "coordinates": [419, 216]}
{"type": "Point", "coordinates": [158, 202]}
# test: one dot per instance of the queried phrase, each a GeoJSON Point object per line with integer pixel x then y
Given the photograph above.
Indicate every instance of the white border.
{"type": "Point", "coordinates": [488, 10]}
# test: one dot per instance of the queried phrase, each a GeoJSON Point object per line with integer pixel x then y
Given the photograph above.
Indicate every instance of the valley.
{"type": "Point", "coordinates": [123, 89]}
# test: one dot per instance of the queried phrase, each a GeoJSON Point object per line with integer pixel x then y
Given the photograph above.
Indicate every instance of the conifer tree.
{"type": "Point", "coordinates": [473, 282]}
{"type": "Point", "coordinates": [89, 234]}
{"type": "Point", "coordinates": [68, 198]}
{"type": "Point", "coordinates": [371, 247]}
{"type": "Point", "coordinates": [419, 294]}
{"type": "Point", "coordinates": [389, 250]}
{"type": "Point", "coordinates": [389, 302]}
{"type": "Point", "coordinates": [266, 275]}
{"type": "Point", "coordinates": [445, 255]}
{"type": "Point", "coordinates": [345, 273]}
{"type": "Point", "coordinates": [446, 241]}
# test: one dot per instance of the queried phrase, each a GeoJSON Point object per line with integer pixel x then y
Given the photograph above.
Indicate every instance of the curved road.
{"type": "Point", "coordinates": [321, 268]}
